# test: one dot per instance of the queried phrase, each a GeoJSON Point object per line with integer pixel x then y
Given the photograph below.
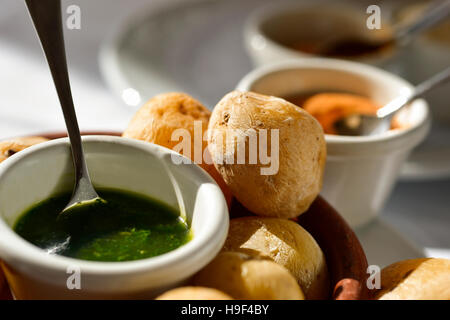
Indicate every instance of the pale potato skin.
{"type": "Point", "coordinates": [160, 116]}
{"type": "Point", "coordinates": [302, 153]}
{"type": "Point", "coordinates": [156, 120]}
{"type": "Point", "coordinates": [12, 146]}
{"type": "Point", "coordinates": [286, 243]}
{"type": "Point", "coordinates": [247, 278]}
{"type": "Point", "coordinates": [416, 279]}
{"type": "Point", "coordinates": [194, 293]}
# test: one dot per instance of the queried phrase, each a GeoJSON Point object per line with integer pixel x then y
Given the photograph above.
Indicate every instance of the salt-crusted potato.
{"type": "Point", "coordinates": [12, 146]}
{"type": "Point", "coordinates": [194, 293]}
{"type": "Point", "coordinates": [286, 243]}
{"type": "Point", "coordinates": [416, 279]}
{"type": "Point", "coordinates": [247, 278]}
{"type": "Point", "coordinates": [157, 120]}
{"type": "Point", "coordinates": [286, 186]}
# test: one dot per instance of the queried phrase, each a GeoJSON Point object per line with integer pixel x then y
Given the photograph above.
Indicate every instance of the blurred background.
{"type": "Point", "coordinates": [127, 51]}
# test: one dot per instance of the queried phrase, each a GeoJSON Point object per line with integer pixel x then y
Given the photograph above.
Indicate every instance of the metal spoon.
{"type": "Point", "coordinates": [366, 125]}
{"type": "Point", "coordinates": [402, 36]}
{"type": "Point", "coordinates": [46, 16]}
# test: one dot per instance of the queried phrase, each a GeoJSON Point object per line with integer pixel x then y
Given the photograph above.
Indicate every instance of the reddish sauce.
{"type": "Point", "coordinates": [330, 107]}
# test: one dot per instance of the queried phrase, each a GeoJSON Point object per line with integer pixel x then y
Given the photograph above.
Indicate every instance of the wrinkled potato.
{"type": "Point", "coordinates": [12, 146]}
{"type": "Point", "coordinates": [194, 293]}
{"type": "Point", "coordinates": [157, 120]}
{"type": "Point", "coordinates": [160, 116]}
{"type": "Point", "coordinates": [247, 278]}
{"type": "Point", "coordinates": [286, 243]}
{"type": "Point", "coordinates": [284, 185]}
{"type": "Point", "coordinates": [415, 279]}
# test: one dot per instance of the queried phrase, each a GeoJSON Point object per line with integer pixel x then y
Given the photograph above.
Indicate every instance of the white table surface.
{"type": "Point", "coordinates": [28, 104]}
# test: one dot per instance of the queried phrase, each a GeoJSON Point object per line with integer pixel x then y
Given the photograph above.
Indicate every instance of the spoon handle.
{"type": "Point", "coordinates": [436, 13]}
{"type": "Point", "coordinates": [424, 87]}
{"type": "Point", "coordinates": [46, 16]}
{"type": "Point", "coordinates": [418, 92]}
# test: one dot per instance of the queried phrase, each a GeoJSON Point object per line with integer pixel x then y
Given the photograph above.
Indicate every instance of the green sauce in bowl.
{"type": "Point", "coordinates": [128, 227]}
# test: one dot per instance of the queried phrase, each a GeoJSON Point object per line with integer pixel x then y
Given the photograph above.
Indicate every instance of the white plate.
{"type": "Point", "coordinates": [197, 47]}
{"type": "Point", "coordinates": [192, 46]}
{"type": "Point", "coordinates": [384, 245]}
{"type": "Point", "coordinates": [431, 159]}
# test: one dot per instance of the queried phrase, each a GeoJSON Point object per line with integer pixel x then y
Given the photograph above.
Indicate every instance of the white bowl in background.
{"type": "Point", "coordinates": [269, 29]}
{"type": "Point", "coordinates": [40, 171]}
{"type": "Point", "coordinates": [360, 172]}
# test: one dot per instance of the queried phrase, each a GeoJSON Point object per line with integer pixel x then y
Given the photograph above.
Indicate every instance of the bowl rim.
{"type": "Point", "coordinates": [200, 245]}
{"type": "Point", "coordinates": [359, 69]}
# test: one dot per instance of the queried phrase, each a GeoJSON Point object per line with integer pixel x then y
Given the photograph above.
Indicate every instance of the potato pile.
{"type": "Point", "coordinates": [267, 257]}
{"type": "Point", "coordinates": [286, 243]}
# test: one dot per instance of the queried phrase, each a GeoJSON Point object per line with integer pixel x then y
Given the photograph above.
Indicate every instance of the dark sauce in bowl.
{"type": "Point", "coordinates": [299, 98]}
{"type": "Point", "coordinates": [128, 227]}
{"type": "Point", "coordinates": [346, 48]}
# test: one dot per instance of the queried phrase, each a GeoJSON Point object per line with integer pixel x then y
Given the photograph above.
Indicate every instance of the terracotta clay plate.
{"type": "Point", "coordinates": [345, 257]}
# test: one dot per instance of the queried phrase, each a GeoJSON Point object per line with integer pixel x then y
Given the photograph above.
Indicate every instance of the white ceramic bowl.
{"type": "Point", "coordinates": [360, 171]}
{"type": "Point", "coordinates": [269, 28]}
{"type": "Point", "coordinates": [39, 172]}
